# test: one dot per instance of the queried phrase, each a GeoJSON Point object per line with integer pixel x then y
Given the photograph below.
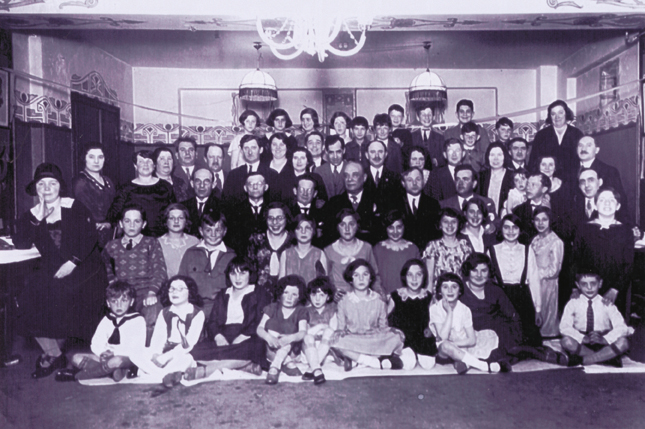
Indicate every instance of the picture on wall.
{"type": "Point", "coordinates": [341, 100]}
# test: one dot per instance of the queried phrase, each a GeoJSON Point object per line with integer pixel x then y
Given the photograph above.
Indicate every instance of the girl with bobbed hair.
{"type": "Point", "coordinates": [309, 122]}
{"type": "Point", "coordinates": [339, 125]}
{"type": "Point", "coordinates": [250, 122]}
{"type": "Point", "coordinates": [281, 122]}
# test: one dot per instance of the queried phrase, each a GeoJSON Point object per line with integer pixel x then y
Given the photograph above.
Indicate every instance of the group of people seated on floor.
{"type": "Point", "coordinates": [402, 250]}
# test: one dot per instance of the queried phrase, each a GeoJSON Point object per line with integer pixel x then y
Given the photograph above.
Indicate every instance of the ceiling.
{"type": "Point", "coordinates": [392, 49]}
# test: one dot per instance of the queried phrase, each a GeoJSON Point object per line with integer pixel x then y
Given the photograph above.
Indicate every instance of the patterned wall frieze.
{"type": "Point", "coordinates": [621, 112]}
{"type": "Point", "coordinates": [42, 109]}
{"type": "Point", "coordinates": [126, 130]}
{"type": "Point", "coordinates": [94, 85]}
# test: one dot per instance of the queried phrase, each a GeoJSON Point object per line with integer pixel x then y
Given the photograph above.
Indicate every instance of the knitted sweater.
{"type": "Point", "coordinates": [143, 267]}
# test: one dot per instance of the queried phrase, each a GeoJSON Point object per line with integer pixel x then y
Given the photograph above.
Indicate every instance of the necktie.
{"type": "Point", "coordinates": [218, 182]}
{"type": "Point", "coordinates": [589, 318]}
{"type": "Point", "coordinates": [589, 208]}
{"type": "Point", "coordinates": [354, 201]}
{"type": "Point", "coordinates": [305, 210]}
{"type": "Point", "coordinates": [115, 338]}
{"type": "Point", "coordinates": [335, 170]}
{"type": "Point", "coordinates": [250, 169]}
{"type": "Point", "coordinates": [414, 206]}
{"type": "Point", "coordinates": [425, 136]}
{"type": "Point", "coordinates": [377, 177]}
{"type": "Point", "coordinates": [201, 208]}
{"type": "Point", "coordinates": [187, 170]}
{"type": "Point", "coordinates": [256, 210]}
{"type": "Point", "coordinates": [129, 246]}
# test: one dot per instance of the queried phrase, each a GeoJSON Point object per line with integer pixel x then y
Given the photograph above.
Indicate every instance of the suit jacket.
{"type": "Point", "coordinates": [455, 133]}
{"type": "Point", "coordinates": [334, 183]}
{"type": "Point", "coordinates": [218, 192]}
{"type": "Point", "coordinates": [353, 151]}
{"type": "Point", "coordinates": [212, 205]}
{"type": "Point", "coordinates": [369, 228]}
{"type": "Point", "coordinates": [394, 159]}
{"type": "Point", "coordinates": [196, 265]}
{"type": "Point", "coordinates": [233, 191]}
{"type": "Point", "coordinates": [242, 222]}
{"type": "Point", "coordinates": [434, 146]}
{"type": "Point", "coordinates": [178, 171]}
{"type": "Point", "coordinates": [525, 212]}
{"type": "Point", "coordinates": [453, 202]}
{"type": "Point", "coordinates": [422, 226]}
{"type": "Point", "coordinates": [507, 185]}
{"type": "Point", "coordinates": [545, 143]}
{"type": "Point", "coordinates": [611, 177]}
{"type": "Point", "coordinates": [388, 191]}
{"type": "Point", "coordinates": [441, 184]}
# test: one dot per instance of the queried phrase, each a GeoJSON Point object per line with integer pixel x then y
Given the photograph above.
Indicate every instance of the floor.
{"type": "Point", "coordinates": [565, 398]}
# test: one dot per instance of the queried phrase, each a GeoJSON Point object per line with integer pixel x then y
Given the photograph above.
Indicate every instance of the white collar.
{"type": "Point", "coordinates": [254, 166]}
{"type": "Point", "coordinates": [247, 290]}
{"type": "Point", "coordinates": [220, 247]}
{"type": "Point", "coordinates": [304, 206]}
{"type": "Point", "coordinates": [338, 167]}
{"type": "Point", "coordinates": [587, 164]}
{"type": "Point", "coordinates": [518, 165]}
{"type": "Point", "coordinates": [201, 200]}
{"type": "Point", "coordinates": [358, 196]}
{"type": "Point", "coordinates": [376, 170]}
{"type": "Point", "coordinates": [258, 204]}
{"type": "Point", "coordinates": [136, 240]}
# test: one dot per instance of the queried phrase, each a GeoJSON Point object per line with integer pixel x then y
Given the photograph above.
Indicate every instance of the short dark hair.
{"type": "Point", "coordinates": [120, 288]}
{"type": "Point", "coordinates": [332, 140]}
{"type": "Point", "coordinates": [210, 145]}
{"type": "Point", "coordinates": [449, 142]}
{"type": "Point", "coordinates": [337, 115]}
{"type": "Point", "coordinates": [246, 114]}
{"type": "Point", "coordinates": [520, 172]}
{"type": "Point", "coordinates": [342, 214]}
{"type": "Point", "coordinates": [353, 266]}
{"type": "Point", "coordinates": [88, 147]}
{"type": "Point", "coordinates": [406, 267]}
{"type": "Point", "coordinates": [176, 206]}
{"type": "Point", "coordinates": [190, 140]}
{"type": "Point", "coordinates": [291, 280]}
{"type": "Point", "coordinates": [465, 102]}
{"type": "Point", "coordinates": [158, 151]}
{"type": "Point", "coordinates": [306, 176]}
{"type": "Point", "coordinates": [145, 154]}
{"type": "Point", "coordinates": [277, 205]}
{"type": "Point", "coordinates": [504, 121]}
{"type": "Point", "coordinates": [463, 167]}
{"type": "Point", "coordinates": [587, 272]}
{"type": "Point", "coordinates": [310, 158]}
{"type": "Point", "coordinates": [313, 113]}
{"type": "Point", "coordinates": [569, 116]}
{"type": "Point", "coordinates": [279, 112]}
{"type": "Point", "coordinates": [314, 133]}
{"type": "Point", "coordinates": [422, 150]}
{"type": "Point", "coordinates": [452, 213]}
{"type": "Point", "coordinates": [212, 218]}
{"type": "Point", "coordinates": [391, 217]}
{"type": "Point", "coordinates": [469, 127]}
{"type": "Point", "coordinates": [324, 284]}
{"type": "Point", "coordinates": [193, 291]}
{"type": "Point", "coordinates": [302, 218]}
{"type": "Point", "coordinates": [240, 263]}
{"type": "Point", "coordinates": [397, 108]}
{"type": "Point", "coordinates": [512, 218]}
{"type": "Point", "coordinates": [360, 120]}
{"type": "Point", "coordinates": [382, 119]}
{"type": "Point", "coordinates": [472, 261]}
{"type": "Point", "coordinates": [544, 180]}
{"type": "Point", "coordinates": [515, 140]}
{"type": "Point", "coordinates": [480, 204]}
{"type": "Point", "coordinates": [247, 138]}
{"type": "Point", "coordinates": [608, 189]}
{"type": "Point", "coordinates": [542, 209]}
{"type": "Point", "coordinates": [133, 207]}
{"type": "Point", "coordinates": [448, 277]}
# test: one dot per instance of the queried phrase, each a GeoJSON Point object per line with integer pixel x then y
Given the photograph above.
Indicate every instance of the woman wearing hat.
{"type": "Point", "coordinates": [64, 295]}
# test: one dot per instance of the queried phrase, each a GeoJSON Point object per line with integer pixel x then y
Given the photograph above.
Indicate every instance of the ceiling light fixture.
{"type": "Point", "coordinates": [258, 85]}
{"type": "Point", "coordinates": [428, 88]}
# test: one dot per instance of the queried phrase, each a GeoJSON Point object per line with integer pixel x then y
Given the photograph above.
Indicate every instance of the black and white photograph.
{"type": "Point", "coordinates": [322, 214]}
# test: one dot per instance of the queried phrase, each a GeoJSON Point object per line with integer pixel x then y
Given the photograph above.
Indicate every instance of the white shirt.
{"type": "Point", "coordinates": [518, 166]}
{"type": "Point", "coordinates": [357, 196]}
{"type": "Point", "coordinates": [376, 171]}
{"type": "Point", "coordinates": [606, 318]}
{"type": "Point", "coordinates": [189, 170]}
{"type": "Point", "coordinates": [338, 167]}
{"type": "Point", "coordinates": [214, 252]}
{"type": "Point", "coordinates": [234, 311]}
{"type": "Point", "coordinates": [462, 199]}
{"type": "Point", "coordinates": [201, 201]}
{"type": "Point", "coordinates": [510, 259]}
{"type": "Point", "coordinates": [219, 174]}
{"type": "Point", "coordinates": [132, 337]}
{"type": "Point", "coordinates": [254, 166]}
{"type": "Point", "coordinates": [587, 164]}
{"type": "Point", "coordinates": [413, 201]}
{"type": "Point", "coordinates": [318, 161]}
{"type": "Point", "coordinates": [452, 171]}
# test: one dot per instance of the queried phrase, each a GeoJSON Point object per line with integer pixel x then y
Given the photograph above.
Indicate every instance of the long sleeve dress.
{"type": "Point", "coordinates": [363, 328]}
{"type": "Point", "coordinates": [390, 259]}
{"type": "Point", "coordinates": [549, 252]}
{"type": "Point", "coordinates": [97, 198]}
{"type": "Point", "coordinates": [70, 306]}
{"type": "Point", "coordinates": [411, 315]}
{"type": "Point", "coordinates": [339, 259]}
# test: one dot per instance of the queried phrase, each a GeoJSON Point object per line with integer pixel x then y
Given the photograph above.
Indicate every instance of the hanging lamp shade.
{"type": "Point", "coordinates": [258, 86]}
{"type": "Point", "coordinates": [428, 88]}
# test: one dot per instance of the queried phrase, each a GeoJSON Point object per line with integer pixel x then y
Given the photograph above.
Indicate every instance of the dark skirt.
{"type": "Point", "coordinates": [252, 349]}
{"type": "Point", "coordinates": [520, 297]}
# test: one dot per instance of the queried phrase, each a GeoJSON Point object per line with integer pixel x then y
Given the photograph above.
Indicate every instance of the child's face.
{"type": "Point", "coordinates": [541, 222]}
{"type": "Point", "coordinates": [347, 228]}
{"type": "Point", "coordinates": [120, 305]}
{"type": "Point", "coordinates": [504, 132]}
{"type": "Point", "coordinates": [450, 291]}
{"type": "Point", "coordinates": [589, 286]}
{"type": "Point", "coordinates": [520, 182]}
{"type": "Point", "coordinates": [474, 215]}
{"type": "Point", "coordinates": [178, 292]}
{"type": "Point", "coordinates": [176, 221]}
{"type": "Point", "coordinates": [414, 277]}
{"type": "Point", "coordinates": [470, 138]}
{"type": "Point", "coordinates": [449, 226]}
{"type": "Point", "coordinates": [290, 296]}
{"type": "Point", "coordinates": [250, 123]}
{"type": "Point", "coordinates": [239, 279]}
{"type": "Point", "coordinates": [361, 278]}
{"type": "Point", "coordinates": [318, 299]}
{"type": "Point", "coordinates": [479, 275]}
{"type": "Point", "coordinates": [132, 223]}
{"type": "Point", "coordinates": [395, 231]}
{"type": "Point", "coordinates": [304, 232]}
{"type": "Point", "coordinates": [510, 231]}
{"type": "Point", "coordinates": [359, 132]}
{"type": "Point", "coordinates": [213, 235]}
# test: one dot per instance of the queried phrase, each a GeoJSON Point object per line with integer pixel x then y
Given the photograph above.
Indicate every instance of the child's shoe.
{"type": "Point", "coordinates": [273, 375]}
{"type": "Point", "coordinates": [133, 372]}
{"type": "Point", "coordinates": [172, 379]}
{"type": "Point", "coordinates": [308, 376]}
{"type": "Point", "coordinates": [395, 362]}
{"type": "Point", "coordinates": [66, 374]}
{"type": "Point", "coordinates": [291, 371]}
{"type": "Point", "coordinates": [615, 362]}
{"type": "Point", "coordinates": [119, 374]}
{"type": "Point", "coordinates": [460, 367]}
{"type": "Point", "coordinates": [319, 377]}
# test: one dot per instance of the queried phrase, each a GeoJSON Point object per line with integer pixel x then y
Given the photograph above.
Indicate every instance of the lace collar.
{"type": "Point", "coordinates": [397, 247]}
{"type": "Point", "coordinates": [405, 295]}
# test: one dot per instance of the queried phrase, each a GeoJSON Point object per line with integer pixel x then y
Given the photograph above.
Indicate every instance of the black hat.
{"type": "Point", "coordinates": [46, 169]}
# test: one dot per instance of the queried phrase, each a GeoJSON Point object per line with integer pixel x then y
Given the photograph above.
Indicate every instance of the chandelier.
{"type": "Point", "coordinates": [257, 85]}
{"type": "Point", "coordinates": [428, 88]}
{"type": "Point", "coordinates": [315, 32]}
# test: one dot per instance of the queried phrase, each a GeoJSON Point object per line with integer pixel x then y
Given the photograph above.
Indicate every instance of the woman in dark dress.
{"type": "Point", "coordinates": [301, 162]}
{"type": "Point", "coordinates": [607, 246]}
{"type": "Point", "coordinates": [489, 305]}
{"type": "Point", "coordinates": [234, 344]}
{"type": "Point", "coordinates": [558, 139]}
{"type": "Point", "coordinates": [495, 179]}
{"type": "Point", "coordinates": [150, 192]}
{"type": "Point", "coordinates": [95, 190]}
{"type": "Point", "coordinates": [164, 166]}
{"type": "Point", "coordinates": [63, 297]}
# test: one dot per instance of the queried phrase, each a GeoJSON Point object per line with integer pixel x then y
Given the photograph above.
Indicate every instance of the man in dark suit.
{"type": "Point", "coordinates": [307, 203]}
{"type": "Point", "coordinates": [356, 197]}
{"type": "Point", "coordinates": [247, 216]}
{"type": "Point", "coordinates": [420, 211]}
{"type": "Point", "coordinates": [382, 128]}
{"type": "Point", "coordinates": [518, 148]}
{"type": "Point", "coordinates": [234, 187]}
{"type": "Point", "coordinates": [331, 172]}
{"type": "Point", "coordinates": [538, 186]}
{"type": "Point", "coordinates": [381, 181]}
{"type": "Point", "coordinates": [315, 146]}
{"type": "Point", "coordinates": [214, 155]}
{"type": "Point", "coordinates": [203, 202]}
{"type": "Point", "coordinates": [441, 183]}
{"type": "Point", "coordinates": [428, 138]}
{"type": "Point", "coordinates": [187, 159]}
{"type": "Point", "coordinates": [466, 182]}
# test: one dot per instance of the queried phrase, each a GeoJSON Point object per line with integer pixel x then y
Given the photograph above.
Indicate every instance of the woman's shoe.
{"type": "Point", "coordinates": [347, 364]}
{"type": "Point", "coordinates": [273, 376]}
{"type": "Point", "coordinates": [319, 378]}
{"type": "Point", "coordinates": [55, 363]}
{"type": "Point", "coordinates": [308, 376]}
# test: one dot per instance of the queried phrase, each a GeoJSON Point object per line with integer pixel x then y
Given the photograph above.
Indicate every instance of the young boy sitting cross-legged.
{"type": "Point", "coordinates": [119, 335]}
{"type": "Point", "coordinates": [592, 328]}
